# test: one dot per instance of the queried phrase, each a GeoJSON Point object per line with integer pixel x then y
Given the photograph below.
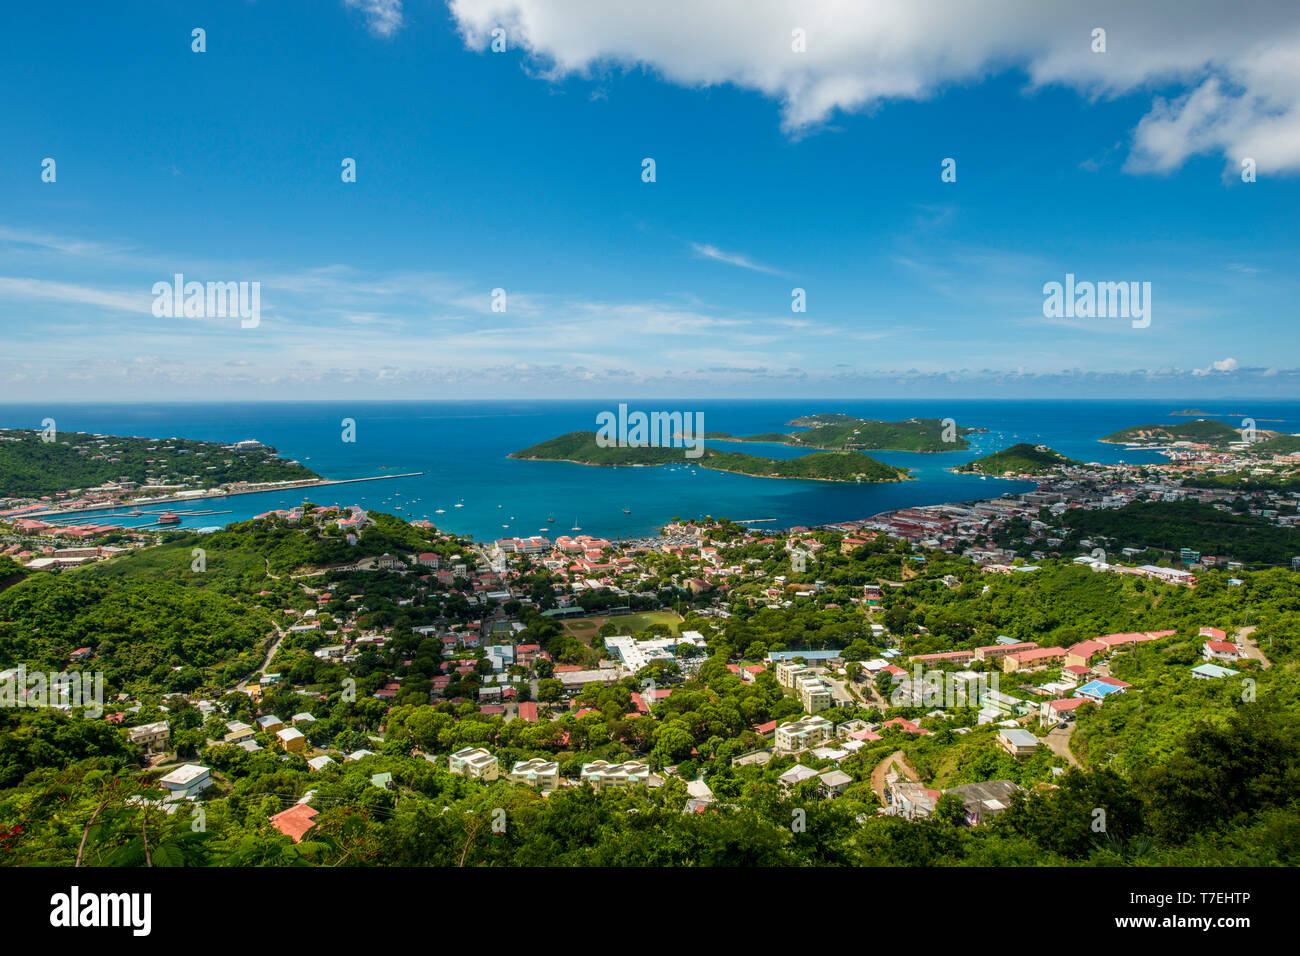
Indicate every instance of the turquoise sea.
{"type": "Point", "coordinates": [462, 448]}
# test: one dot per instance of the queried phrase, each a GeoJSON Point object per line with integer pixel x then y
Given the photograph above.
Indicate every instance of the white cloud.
{"type": "Point", "coordinates": [77, 295]}
{"type": "Point", "coordinates": [383, 17]}
{"type": "Point", "coordinates": [1234, 69]}
{"type": "Point", "coordinates": [706, 251]}
{"type": "Point", "coordinates": [1229, 364]}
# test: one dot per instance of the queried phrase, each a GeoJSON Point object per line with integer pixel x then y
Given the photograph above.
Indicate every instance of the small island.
{"type": "Point", "coordinates": [581, 448]}
{"type": "Point", "coordinates": [1022, 459]}
{"type": "Point", "coordinates": [846, 433]}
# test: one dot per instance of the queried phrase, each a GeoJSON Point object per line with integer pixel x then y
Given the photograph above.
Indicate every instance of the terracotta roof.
{"type": "Point", "coordinates": [295, 822]}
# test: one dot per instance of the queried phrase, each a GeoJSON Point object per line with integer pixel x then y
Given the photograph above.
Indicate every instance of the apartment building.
{"type": "Point", "coordinates": [539, 773]}
{"type": "Point", "coordinates": [602, 774]}
{"type": "Point", "coordinates": [1033, 659]}
{"type": "Point", "coordinates": [994, 651]}
{"type": "Point", "coordinates": [787, 672]}
{"type": "Point", "coordinates": [805, 734]}
{"type": "Point", "coordinates": [474, 763]}
{"type": "Point", "coordinates": [814, 694]}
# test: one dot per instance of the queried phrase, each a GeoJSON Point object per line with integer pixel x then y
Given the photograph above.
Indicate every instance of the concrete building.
{"type": "Point", "coordinates": [186, 782]}
{"type": "Point", "coordinates": [985, 800]}
{"type": "Point", "coordinates": [834, 782]}
{"type": "Point", "coordinates": [805, 734]}
{"type": "Point", "coordinates": [1018, 743]}
{"type": "Point", "coordinates": [474, 763]}
{"type": "Point", "coordinates": [237, 731]}
{"type": "Point", "coordinates": [787, 672]}
{"type": "Point", "coordinates": [796, 775]}
{"type": "Point", "coordinates": [602, 774]}
{"type": "Point", "coordinates": [269, 723]}
{"type": "Point", "coordinates": [814, 694]}
{"type": "Point", "coordinates": [291, 740]}
{"type": "Point", "coordinates": [152, 737]}
{"type": "Point", "coordinates": [539, 773]}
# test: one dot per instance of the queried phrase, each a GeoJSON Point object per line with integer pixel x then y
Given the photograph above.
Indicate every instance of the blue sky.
{"type": "Point", "coordinates": [521, 170]}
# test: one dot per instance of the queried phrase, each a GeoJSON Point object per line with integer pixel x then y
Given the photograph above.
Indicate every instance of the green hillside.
{"type": "Point", "coordinates": [1205, 430]}
{"type": "Point", "coordinates": [846, 433]}
{"type": "Point", "coordinates": [32, 467]}
{"type": "Point", "coordinates": [1021, 459]}
{"type": "Point", "coordinates": [1172, 525]}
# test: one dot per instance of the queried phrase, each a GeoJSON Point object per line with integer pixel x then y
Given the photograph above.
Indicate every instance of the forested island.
{"type": "Point", "coordinates": [31, 466]}
{"type": "Point", "coordinates": [1021, 459]}
{"type": "Point", "coordinates": [846, 433]}
{"type": "Point", "coordinates": [581, 448]}
{"type": "Point", "coordinates": [1203, 431]}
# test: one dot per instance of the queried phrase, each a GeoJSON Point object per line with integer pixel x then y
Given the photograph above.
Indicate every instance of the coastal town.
{"type": "Point", "coordinates": [828, 663]}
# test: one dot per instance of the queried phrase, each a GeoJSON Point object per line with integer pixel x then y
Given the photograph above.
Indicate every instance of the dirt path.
{"type": "Point", "coordinates": [899, 759]}
{"type": "Point", "coordinates": [1250, 648]}
{"type": "Point", "coordinates": [1058, 742]}
{"type": "Point", "coordinates": [279, 636]}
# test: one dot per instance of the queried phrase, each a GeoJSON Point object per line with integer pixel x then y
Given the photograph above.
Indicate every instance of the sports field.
{"type": "Point", "coordinates": [585, 628]}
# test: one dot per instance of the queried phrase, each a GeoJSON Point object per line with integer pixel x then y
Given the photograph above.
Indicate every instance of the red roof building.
{"type": "Point", "coordinates": [295, 822]}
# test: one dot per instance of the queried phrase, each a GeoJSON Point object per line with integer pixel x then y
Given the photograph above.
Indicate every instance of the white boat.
{"type": "Point", "coordinates": [441, 511]}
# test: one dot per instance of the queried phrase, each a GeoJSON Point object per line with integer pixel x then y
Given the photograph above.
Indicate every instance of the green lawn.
{"type": "Point", "coordinates": [585, 628]}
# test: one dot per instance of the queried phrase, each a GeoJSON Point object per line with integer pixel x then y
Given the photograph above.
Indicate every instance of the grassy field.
{"type": "Point", "coordinates": [585, 628]}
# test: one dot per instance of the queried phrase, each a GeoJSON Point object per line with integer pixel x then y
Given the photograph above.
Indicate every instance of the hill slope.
{"type": "Point", "coordinates": [1022, 459]}
{"type": "Point", "coordinates": [1205, 430]}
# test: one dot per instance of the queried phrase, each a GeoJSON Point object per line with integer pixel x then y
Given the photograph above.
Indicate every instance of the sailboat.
{"type": "Point", "coordinates": [575, 527]}
{"type": "Point", "coordinates": [627, 510]}
{"type": "Point", "coordinates": [459, 504]}
{"type": "Point", "coordinates": [551, 520]}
